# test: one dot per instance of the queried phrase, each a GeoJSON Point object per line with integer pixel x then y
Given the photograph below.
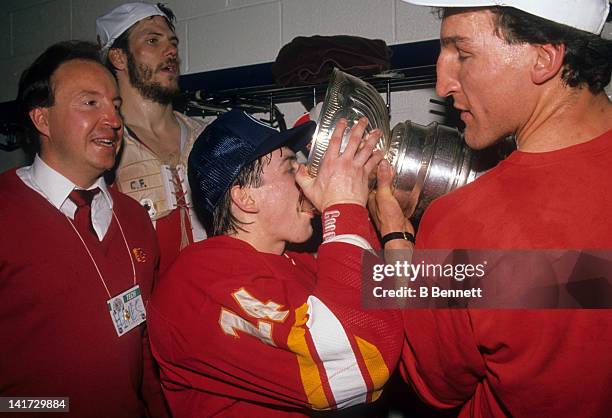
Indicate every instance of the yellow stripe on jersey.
{"type": "Point", "coordinates": [311, 379]}
{"type": "Point", "coordinates": [377, 368]}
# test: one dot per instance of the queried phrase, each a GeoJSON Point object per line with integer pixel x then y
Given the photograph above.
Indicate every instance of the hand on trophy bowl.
{"type": "Point", "coordinates": [428, 161]}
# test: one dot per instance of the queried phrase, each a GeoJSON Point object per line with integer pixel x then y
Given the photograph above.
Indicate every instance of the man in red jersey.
{"type": "Point", "coordinates": [536, 70]}
{"type": "Point", "coordinates": [77, 259]}
{"type": "Point", "coordinates": [243, 328]}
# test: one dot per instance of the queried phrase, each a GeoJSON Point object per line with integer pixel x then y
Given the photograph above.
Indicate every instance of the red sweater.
{"type": "Point", "coordinates": [522, 363]}
{"type": "Point", "coordinates": [168, 231]}
{"type": "Point", "coordinates": [57, 336]}
{"type": "Point", "coordinates": [241, 333]}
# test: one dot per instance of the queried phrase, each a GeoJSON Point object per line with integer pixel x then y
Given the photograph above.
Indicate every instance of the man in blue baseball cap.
{"type": "Point", "coordinates": [241, 327]}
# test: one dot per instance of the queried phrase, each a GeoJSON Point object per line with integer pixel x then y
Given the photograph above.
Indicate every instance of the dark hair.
{"type": "Point", "coordinates": [223, 220]}
{"type": "Point", "coordinates": [35, 87]}
{"type": "Point", "coordinates": [588, 57]}
{"type": "Point", "coordinates": [122, 41]}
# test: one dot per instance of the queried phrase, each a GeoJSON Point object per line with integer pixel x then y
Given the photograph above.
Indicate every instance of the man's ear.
{"type": "Point", "coordinates": [548, 63]}
{"type": "Point", "coordinates": [242, 198]}
{"type": "Point", "coordinates": [40, 119]}
{"type": "Point", "coordinates": [118, 58]}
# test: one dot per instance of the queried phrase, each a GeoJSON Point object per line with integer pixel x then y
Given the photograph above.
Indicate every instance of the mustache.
{"type": "Point", "coordinates": [171, 61]}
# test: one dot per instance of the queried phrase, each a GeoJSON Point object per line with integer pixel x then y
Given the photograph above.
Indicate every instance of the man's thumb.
{"type": "Point", "coordinates": [384, 176]}
{"type": "Point", "coordinates": [302, 178]}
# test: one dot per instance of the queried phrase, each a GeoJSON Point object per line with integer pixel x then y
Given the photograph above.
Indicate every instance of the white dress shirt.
{"type": "Point", "coordinates": [55, 188]}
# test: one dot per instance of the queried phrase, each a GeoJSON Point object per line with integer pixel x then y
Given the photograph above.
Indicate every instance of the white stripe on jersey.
{"type": "Point", "coordinates": [352, 239]}
{"type": "Point", "coordinates": [335, 351]}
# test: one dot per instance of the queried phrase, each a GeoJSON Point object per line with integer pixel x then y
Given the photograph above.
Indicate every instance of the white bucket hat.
{"type": "Point", "coordinates": [112, 25]}
{"type": "Point", "coordinates": [587, 15]}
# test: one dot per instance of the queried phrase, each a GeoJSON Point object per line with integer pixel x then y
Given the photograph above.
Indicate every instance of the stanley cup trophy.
{"type": "Point", "coordinates": [428, 161]}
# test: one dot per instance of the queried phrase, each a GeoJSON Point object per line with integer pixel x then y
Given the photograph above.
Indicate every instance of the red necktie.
{"type": "Point", "coordinates": [82, 216]}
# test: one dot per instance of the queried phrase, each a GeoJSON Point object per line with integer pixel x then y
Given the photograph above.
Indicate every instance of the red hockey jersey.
{"type": "Point", "coordinates": [239, 332]}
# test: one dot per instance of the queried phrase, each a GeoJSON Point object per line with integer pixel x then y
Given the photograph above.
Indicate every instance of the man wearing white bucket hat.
{"type": "Point", "coordinates": [535, 70]}
{"type": "Point", "coordinates": [140, 47]}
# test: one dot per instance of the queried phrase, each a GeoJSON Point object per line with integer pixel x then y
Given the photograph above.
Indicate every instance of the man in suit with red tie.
{"type": "Point", "coordinates": [77, 259]}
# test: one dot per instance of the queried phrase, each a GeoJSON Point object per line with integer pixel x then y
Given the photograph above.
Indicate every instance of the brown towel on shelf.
{"type": "Point", "coordinates": [308, 60]}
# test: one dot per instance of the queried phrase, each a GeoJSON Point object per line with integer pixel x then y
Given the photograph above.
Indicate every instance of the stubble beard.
{"type": "Point", "coordinates": [141, 76]}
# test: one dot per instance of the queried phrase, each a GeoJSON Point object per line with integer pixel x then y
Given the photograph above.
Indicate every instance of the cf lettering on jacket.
{"type": "Point", "coordinates": [137, 184]}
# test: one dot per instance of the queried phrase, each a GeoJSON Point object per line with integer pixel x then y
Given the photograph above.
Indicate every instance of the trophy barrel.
{"type": "Point", "coordinates": [429, 161]}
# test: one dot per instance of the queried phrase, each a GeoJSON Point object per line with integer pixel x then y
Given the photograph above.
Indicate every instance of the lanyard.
{"type": "Point", "coordinates": [94, 261]}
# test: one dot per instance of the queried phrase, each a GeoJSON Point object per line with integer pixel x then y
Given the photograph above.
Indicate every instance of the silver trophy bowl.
{"type": "Point", "coordinates": [350, 98]}
{"type": "Point", "coordinates": [428, 161]}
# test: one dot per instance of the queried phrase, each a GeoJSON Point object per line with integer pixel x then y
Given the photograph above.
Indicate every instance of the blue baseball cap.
{"type": "Point", "coordinates": [233, 140]}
